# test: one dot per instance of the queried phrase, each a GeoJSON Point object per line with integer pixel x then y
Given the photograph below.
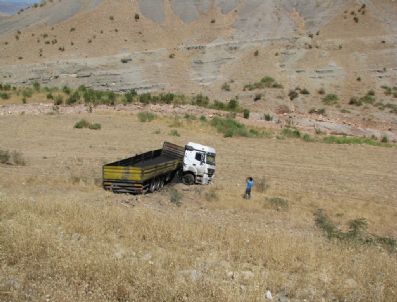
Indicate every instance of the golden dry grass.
{"type": "Point", "coordinates": [62, 238]}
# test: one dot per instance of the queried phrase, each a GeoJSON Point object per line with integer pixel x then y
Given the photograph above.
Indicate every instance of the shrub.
{"type": "Point", "coordinates": [307, 138]}
{"type": "Point", "coordinates": [226, 87]}
{"type": "Point", "coordinates": [317, 111]}
{"type": "Point", "coordinates": [268, 117]}
{"type": "Point", "coordinates": [277, 203]}
{"type": "Point", "coordinates": [146, 116]}
{"type": "Point", "coordinates": [58, 100]}
{"type": "Point", "coordinates": [174, 132]}
{"type": "Point", "coordinates": [171, 56]}
{"type": "Point", "coordinates": [130, 95]}
{"type": "Point", "coordinates": [258, 97]}
{"type": "Point", "coordinates": [4, 95]}
{"type": "Point", "coordinates": [36, 86]}
{"type": "Point", "coordinates": [176, 197]}
{"type": "Point", "coordinates": [203, 118]}
{"type": "Point", "coordinates": [82, 124]}
{"type": "Point", "coordinates": [229, 127]}
{"type": "Point", "coordinates": [200, 100]}
{"type": "Point", "coordinates": [305, 91]}
{"type": "Point", "coordinates": [356, 233]}
{"type": "Point", "coordinates": [350, 140]}
{"type": "Point", "coordinates": [291, 132]}
{"type": "Point", "coordinates": [50, 96]}
{"type": "Point", "coordinates": [354, 101]}
{"type": "Point", "coordinates": [261, 185]}
{"type": "Point", "coordinates": [13, 158]}
{"type": "Point", "coordinates": [95, 126]}
{"type": "Point", "coordinates": [73, 98]}
{"type": "Point", "coordinates": [66, 90]}
{"type": "Point", "coordinates": [4, 157]}
{"type": "Point", "coordinates": [293, 95]}
{"type": "Point", "coordinates": [321, 91]}
{"type": "Point", "coordinates": [330, 99]}
{"type": "Point", "coordinates": [246, 113]}
{"type": "Point", "coordinates": [27, 92]}
{"type": "Point", "coordinates": [211, 195]}
{"type": "Point", "coordinates": [136, 16]}
{"type": "Point", "coordinates": [256, 53]}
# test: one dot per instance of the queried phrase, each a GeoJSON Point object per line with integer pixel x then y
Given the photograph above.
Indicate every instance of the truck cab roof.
{"type": "Point", "coordinates": [200, 147]}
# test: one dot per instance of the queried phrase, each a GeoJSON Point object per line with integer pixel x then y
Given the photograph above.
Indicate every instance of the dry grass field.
{"type": "Point", "coordinates": [63, 238]}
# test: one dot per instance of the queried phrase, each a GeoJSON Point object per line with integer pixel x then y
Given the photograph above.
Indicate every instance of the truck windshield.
{"type": "Point", "coordinates": [211, 159]}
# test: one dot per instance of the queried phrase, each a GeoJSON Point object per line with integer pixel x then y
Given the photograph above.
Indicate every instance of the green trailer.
{"type": "Point", "coordinates": [147, 172]}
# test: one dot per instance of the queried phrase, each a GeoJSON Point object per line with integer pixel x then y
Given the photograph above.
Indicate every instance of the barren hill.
{"type": "Point", "coordinates": [341, 47]}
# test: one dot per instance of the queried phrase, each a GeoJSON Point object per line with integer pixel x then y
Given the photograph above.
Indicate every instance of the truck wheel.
{"type": "Point", "coordinates": [188, 179]}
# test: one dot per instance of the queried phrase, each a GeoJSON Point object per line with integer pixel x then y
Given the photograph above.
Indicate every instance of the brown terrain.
{"type": "Point", "coordinates": [321, 225]}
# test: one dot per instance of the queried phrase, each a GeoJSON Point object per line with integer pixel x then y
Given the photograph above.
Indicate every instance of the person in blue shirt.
{"type": "Point", "coordinates": [250, 184]}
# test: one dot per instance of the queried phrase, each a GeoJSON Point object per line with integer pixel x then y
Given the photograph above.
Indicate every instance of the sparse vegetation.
{"type": "Point", "coordinates": [12, 158]}
{"type": "Point", "coordinates": [267, 117]}
{"type": "Point", "coordinates": [176, 197]}
{"type": "Point", "coordinates": [81, 124]}
{"type": "Point", "coordinates": [174, 132]}
{"type": "Point", "coordinates": [352, 140]}
{"type": "Point", "coordinates": [266, 82]}
{"type": "Point", "coordinates": [146, 117]}
{"type": "Point", "coordinates": [226, 87]}
{"type": "Point", "coordinates": [330, 99]}
{"type": "Point", "coordinates": [277, 203]}
{"type": "Point", "coordinates": [356, 233]}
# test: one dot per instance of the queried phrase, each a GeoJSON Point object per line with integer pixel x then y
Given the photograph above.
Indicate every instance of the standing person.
{"type": "Point", "coordinates": [250, 184]}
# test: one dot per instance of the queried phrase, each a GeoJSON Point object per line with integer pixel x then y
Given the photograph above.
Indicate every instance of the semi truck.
{"type": "Point", "coordinates": [150, 171]}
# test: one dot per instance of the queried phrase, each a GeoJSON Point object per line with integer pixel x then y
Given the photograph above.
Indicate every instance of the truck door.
{"type": "Point", "coordinates": [199, 163]}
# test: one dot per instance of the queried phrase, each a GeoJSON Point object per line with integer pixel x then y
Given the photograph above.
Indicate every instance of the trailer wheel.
{"type": "Point", "coordinates": [152, 186]}
{"type": "Point", "coordinates": [188, 179]}
{"type": "Point", "coordinates": [161, 183]}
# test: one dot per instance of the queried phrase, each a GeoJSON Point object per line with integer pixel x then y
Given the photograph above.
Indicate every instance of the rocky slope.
{"type": "Point", "coordinates": [343, 47]}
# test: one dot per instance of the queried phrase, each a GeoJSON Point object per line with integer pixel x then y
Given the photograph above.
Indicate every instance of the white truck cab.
{"type": "Point", "coordinates": [198, 164]}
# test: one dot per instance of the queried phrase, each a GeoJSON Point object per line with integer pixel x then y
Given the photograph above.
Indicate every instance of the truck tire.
{"type": "Point", "coordinates": [188, 179]}
{"type": "Point", "coordinates": [152, 186]}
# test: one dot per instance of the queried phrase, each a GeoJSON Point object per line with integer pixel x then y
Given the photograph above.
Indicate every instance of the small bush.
{"type": "Point", "coordinates": [256, 53]}
{"type": "Point", "coordinates": [146, 116]}
{"type": "Point", "coordinates": [4, 157]}
{"type": "Point", "coordinates": [136, 16]}
{"type": "Point", "coordinates": [203, 118]}
{"type": "Point", "coordinates": [211, 195]}
{"type": "Point", "coordinates": [66, 90]}
{"type": "Point", "coordinates": [317, 111]}
{"type": "Point", "coordinates": [174, 132]}
{"type": "Point", "coordinates": [305, 91]}
{"type": "Point", "coordinates": [321, 91]}
{"type": "Point", "coordinates": [307, 138]}
{"type": "Point", "coordinates": [350, 140]}
{"type": "Point", "coordinates": [261, 185]}
{"type": "Point", "coordinates": [36, 86]}
{"type": "Point", "coordinates": [277, 203]}
{"type": "Point", "coordinates": [291, 132]}
{"type": "Point", "coordinates": [58, 100]}
{"type": "Point", "coordinates": [246, 113]}
{"type": "Point", "coordinates": [293, 95]}
{"type": "Point", "coordinates": [95, 126]}
{"type": "Point", "coordinates": [176, 197]}
{"type": "Point", "coordinates": [267, 117]}
{"type": "Point", "coordinates": [226, 87]}
{"type": "Point", "coordinates": [4, 95]}
{"type": "Point", "coordinates": [356, 233]}
{"type": "Point", "coordinates": [82, 124]}
{"type": "Point", "coordinates": [13, 158]}
{"type": "Point", "coordinates": [27, 92]}
{"type": "Point", "coordinates": [330, 99]}
{"type": "Point", "coordinates": [257, 97]}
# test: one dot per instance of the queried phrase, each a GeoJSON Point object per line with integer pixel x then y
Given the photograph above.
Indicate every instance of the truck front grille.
{"type": "Point", "coordinates": [211, 172]}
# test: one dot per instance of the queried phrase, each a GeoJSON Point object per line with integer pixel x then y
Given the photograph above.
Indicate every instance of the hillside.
{"type": "Point", "coordinates": [344, 49]}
